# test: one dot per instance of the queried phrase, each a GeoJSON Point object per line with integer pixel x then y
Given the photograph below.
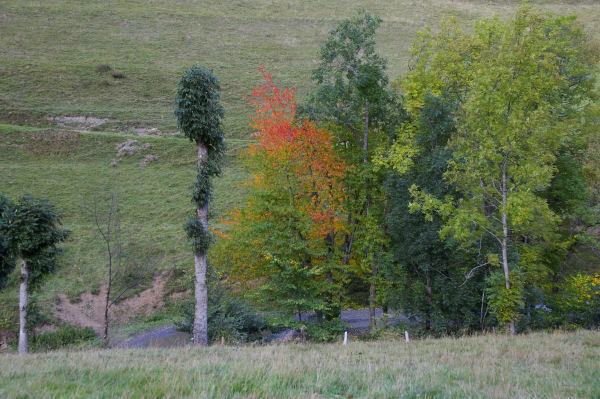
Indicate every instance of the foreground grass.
{"type": "Point", "coordinates": [49, 49]}
{"type": "Point", "coordinates": [557, 365]}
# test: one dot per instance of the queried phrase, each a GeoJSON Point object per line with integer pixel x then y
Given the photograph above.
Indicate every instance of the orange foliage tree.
{"type": "Point", "coordinates": [284, 243]}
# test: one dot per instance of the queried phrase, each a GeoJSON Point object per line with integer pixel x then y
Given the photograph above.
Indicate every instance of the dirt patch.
{"type": "Point", "coordinates": [78, 122]}
{"type": "Point", "coordinates": [130, 147]}
{"type": "Point", "coordinates": [149, 158]}
{"type": "Point", "coordinates": [89, 312]}
{"type": "Point", "coordinates": [87, 124]}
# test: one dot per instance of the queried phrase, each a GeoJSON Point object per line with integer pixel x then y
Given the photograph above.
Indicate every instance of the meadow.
{"type": "Point", "coordinates": [556, 365]}
{"type": "Point", "coordinates": [49, 50]}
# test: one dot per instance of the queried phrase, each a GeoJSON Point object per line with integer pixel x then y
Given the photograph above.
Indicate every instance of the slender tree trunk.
{"type": "Point", "coordinates": [200, 330]}
{"type": "Point", "coordinates": [505, 240]}
{"type": "Point", "coordinates": [108, 238]}
{"type": "Point", "coordinates": [107, 302]}
{"type": "Point", "coordinates": [372, 296]}
{"type": "Point", "coordinates": [429, 294]}
{"type": "Point", "coordinates": [23, 300]}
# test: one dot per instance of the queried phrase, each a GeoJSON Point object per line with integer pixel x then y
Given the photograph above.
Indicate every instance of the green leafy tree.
{"type": "Point", "coordinates": [31, 230]}
{"type": "Point", "coordinates": [522, 86]}
{"type": "Point", "coordinates": [199, 116]}
{"type": "Point", "coordinates": [7, 262]}
{"type": "Point", "coordinates": [353, 100]}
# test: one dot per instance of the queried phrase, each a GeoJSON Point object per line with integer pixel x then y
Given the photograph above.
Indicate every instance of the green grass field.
{"type": "Point", "coordinates": [557, 365]}
{"type": "Point", "coordinates": [49, 50]}
{"type": "Point", "coordinates": [49, 53]}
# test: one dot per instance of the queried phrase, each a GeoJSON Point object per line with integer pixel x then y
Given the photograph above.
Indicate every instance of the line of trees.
{"type": "Point", "coordinates": [462, 193]}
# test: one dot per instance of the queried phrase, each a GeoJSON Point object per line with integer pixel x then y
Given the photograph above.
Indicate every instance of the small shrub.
{"type": "Point", "coordinates": [311, 330]}
{"type": "Point", "coordinates": [229, 318]}
{"type": "Point", "coordinates": [65, 336]}
{"type": "Point", "coordinates": [102, 68]}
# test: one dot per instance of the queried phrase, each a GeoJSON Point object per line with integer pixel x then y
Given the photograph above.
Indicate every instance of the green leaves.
{"type": "Point", "coordinates": [30, 228]}
{"type": "Point", "coordinates": [198, 111]}
{"type": "Point", "coordinates": [196, 232]}
{"type": "Point", "coordinates": [199, 116]}
{"type": "Point", "coordinates": [505, 302]}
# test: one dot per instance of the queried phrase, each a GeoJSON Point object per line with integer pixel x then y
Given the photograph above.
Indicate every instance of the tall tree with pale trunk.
{"type": "Point", "coordinates": [523, 88]}
{"type": "Point", "coordinates": [199, 116]}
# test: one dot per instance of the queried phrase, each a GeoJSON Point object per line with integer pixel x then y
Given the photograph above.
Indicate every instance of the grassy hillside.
{"type": "Point", "coordinates": [72, 169]}
{"type": "Point", "coordinates": [558, 365]}
{"type": "Point", "coordinates": [49, 50]}
{"type": "Point", "coordinates": [49, 54]}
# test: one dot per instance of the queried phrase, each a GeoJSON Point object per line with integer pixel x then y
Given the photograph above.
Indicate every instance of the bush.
{"type": "Point", "coordinates": [229, 318]}
{"type": "Point", "coordinates": [312, 329]}
{"type": "Point", "coordinates": [65, 336]}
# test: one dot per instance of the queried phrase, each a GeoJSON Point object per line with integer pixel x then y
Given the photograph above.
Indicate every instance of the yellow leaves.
{"type": "Point", "coordinates": [401, 153]}
{"type": "Point", "coordinates": [493, 259]}
{"type": "Point", "coordinates": [584, 287]}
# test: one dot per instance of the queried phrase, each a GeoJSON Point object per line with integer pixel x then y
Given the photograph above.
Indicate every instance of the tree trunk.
{"type": "Point", "coordinates": [107, 303]}
{"type": "Point", "coordinates": [23, 300]}
{"type": "Point", "coordinates": [372, 295]}
{"type": "Point", "coordinates": [505, 240]}
{"type": "Point", "coordinates": [200, 330]}
{"type": "Point", "coordinates": [429, 303]}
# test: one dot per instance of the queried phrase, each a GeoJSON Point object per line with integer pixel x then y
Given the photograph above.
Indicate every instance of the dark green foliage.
{"type": "Point", "coordinates": [568, 191]}
{"type": "Point", "coordinates": [199, 116]}
{"type": "Point", "coordinates": [200, 238]}
{"type": "Point", "coordinates": [202, 193]}
{"type": "Point", "coordinates": [351, 72]}
{"type": "Point", "coordinates": [198, 111]}
{"type": "Point", "coordinates": [7, 261]}
{"type": "Point", "coordinates": [293, 288]}
{"type": "Point", "coordinates": [428, 273]}
{"type": "Point", "coordinates": [31, 229]}
{"type": "Point", "coordinates": [353, 100]}
{"type": "Point", "coordinates": [65, 336]}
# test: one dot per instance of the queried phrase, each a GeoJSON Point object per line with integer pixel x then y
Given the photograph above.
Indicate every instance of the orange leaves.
{"type": "Point", "coordinates": [295, 155]}
{"type": "Point", "coordinates": [275, 109]}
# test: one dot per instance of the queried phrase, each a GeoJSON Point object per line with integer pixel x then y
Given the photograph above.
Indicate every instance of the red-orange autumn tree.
{"type": "Point", "coordinates": [284, 244]}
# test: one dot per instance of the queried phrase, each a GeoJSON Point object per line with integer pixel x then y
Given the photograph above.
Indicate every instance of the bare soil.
{"type": "Point", "coordinates": [89, 312]}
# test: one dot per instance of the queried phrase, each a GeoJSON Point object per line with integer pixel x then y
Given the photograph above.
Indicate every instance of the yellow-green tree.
{"type": "Point", "coordinates": [523, 87]}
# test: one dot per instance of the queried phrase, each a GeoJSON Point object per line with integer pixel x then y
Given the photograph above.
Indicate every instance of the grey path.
{"type": "Point", "coordinates": [168, 336]}
{"type": "Point", "coordinates": [150, 338]}
{"type": "Point", "coordinates": [359, 318]}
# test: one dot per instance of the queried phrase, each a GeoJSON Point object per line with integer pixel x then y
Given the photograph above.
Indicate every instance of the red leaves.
{"type": "Point", "coordinates": [298, 148]}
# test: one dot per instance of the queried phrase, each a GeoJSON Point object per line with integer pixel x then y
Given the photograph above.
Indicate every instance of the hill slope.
{"type": "Point", "coordinates": [49, 50]}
